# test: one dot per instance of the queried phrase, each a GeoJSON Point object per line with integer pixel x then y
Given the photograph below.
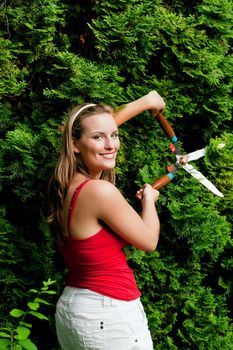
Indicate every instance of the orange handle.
{"type": "Point", "coordinates": [163, 181]}
{"type": "Point", "coordinates": [166, 127]}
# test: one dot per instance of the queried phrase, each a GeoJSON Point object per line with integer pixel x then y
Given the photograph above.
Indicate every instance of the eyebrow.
{"type": "Point", "coordinates": [102, 133]}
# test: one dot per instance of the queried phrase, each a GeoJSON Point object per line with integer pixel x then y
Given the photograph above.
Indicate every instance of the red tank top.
{"type": "Point", "coordinates": [98, 262]}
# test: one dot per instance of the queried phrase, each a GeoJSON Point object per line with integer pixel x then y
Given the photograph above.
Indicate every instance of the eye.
{"type": "Point", "coordinates": [97, 137]}
{"type": "Point", "coordinates": [115, 135]}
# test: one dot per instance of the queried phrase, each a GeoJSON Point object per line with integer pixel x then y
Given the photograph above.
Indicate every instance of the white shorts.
{"type": "Point", "coordinates": [90, 321]}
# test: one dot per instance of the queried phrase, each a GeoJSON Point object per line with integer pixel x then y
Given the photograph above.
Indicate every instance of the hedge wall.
{"type": "Point", "coordinates": [55, 54]}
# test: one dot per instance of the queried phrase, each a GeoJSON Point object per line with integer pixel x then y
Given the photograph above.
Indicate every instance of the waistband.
{"type": "Point", "coordinates": [81, 294]}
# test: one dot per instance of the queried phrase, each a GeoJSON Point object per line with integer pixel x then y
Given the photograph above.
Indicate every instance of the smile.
{"type": "Point", "coordinates": [108, 155]}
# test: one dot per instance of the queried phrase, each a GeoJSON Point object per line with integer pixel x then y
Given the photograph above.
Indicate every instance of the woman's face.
{"type": "Point", "coordinates": [98, 144]}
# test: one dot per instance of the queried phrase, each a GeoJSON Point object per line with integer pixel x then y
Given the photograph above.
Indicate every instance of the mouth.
{"type": "Point", "coordinates": [108, 155]}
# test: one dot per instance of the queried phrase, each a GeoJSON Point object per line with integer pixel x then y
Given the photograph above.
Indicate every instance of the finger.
{"type": "Point", "coordinates": [139, 193]}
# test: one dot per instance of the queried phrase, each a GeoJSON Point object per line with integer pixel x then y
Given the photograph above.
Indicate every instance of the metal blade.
{"type": "Point", "coordinates": [192, 156]}
{"type": "Point", "coordinates": [202, 179]}
{"type": "Point", "coordinates": [196, 154]}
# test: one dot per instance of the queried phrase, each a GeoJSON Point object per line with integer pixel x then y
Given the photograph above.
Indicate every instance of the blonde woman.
{"type": "Point", "coordinates": [100, 307]}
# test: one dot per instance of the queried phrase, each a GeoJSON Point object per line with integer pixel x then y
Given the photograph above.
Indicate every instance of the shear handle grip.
{"type": "Point", "coordinates": [160, 183]}
{"type": "Point", "coordinates": [166, 127]}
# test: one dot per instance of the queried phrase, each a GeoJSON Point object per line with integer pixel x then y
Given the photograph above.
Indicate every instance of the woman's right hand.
{"type": "Point", "coordinates": [109, 206]}
{"type": "Point", "coordinates": [147, 193]}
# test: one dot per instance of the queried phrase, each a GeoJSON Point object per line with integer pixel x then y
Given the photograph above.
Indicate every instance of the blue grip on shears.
{"type": "Point", "coordinates": [174, 139]}
{"type": "Point", "coordinates": [171, 175]}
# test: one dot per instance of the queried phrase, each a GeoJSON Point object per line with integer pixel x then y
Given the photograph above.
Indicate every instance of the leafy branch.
{"type": "Point", "coordinates": [16, 336]}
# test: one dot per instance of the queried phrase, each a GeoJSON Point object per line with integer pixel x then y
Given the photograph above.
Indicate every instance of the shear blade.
{"type": "Point", "coordinates": [202, 179]}
{"type": "Point", "coordinates": [192, 156]}
{"type": "Point", "coordinates": [196, 154]}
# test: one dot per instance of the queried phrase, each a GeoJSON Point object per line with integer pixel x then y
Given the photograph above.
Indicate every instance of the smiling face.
{"type": "Point", "coordinates": [98, 144]}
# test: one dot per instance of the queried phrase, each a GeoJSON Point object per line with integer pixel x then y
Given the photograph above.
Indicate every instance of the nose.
{"type": "Point", "coordinates": [109, 143]}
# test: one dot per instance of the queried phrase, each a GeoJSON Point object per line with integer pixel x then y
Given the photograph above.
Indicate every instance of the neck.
{"type": "Point", "coordinates": [96, 176]}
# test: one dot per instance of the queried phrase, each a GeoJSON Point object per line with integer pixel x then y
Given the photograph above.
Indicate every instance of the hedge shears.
{"type": "Point", "coordinates": [181, 160]}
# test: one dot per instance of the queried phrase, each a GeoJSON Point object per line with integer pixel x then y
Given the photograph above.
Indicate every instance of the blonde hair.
{"type": "Point", "coordinates": [69, 163]}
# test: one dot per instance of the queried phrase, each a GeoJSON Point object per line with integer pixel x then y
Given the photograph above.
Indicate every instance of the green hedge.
{"type": "Point", "coordinates": [55, 54]}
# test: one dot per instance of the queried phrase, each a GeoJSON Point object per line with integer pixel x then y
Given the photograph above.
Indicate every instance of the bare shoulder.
{"type": "Point", "coordinates": [105, 203]}
{"type": "Point", "coordinates": [101, 189]}
{"type": "Point", "coordinates": [102, 198]}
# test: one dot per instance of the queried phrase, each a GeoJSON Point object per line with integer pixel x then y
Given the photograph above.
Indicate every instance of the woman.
{"type": "Point", "coordinates": [100, 306]}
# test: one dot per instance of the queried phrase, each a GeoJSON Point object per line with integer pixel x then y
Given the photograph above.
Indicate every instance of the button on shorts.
{"type": "Point", "coordinates": [86, 320]}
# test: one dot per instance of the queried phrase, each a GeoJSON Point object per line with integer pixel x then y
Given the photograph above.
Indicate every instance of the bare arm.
{"type": "Point", "coordinates": [152, 101]}
{"type": "Point", "coordinates": [148, 197]}
{"type": "Point", "coordinates": [111, 207]}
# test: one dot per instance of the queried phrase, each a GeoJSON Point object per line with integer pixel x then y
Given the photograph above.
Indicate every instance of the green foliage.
{"type": "Point", "coordinates": [55, 54]}
{"type": "Point", "coordinates": [85, 79]}
{"type": "Point", "coordinates": [16, 334]}
{"type": "Point", "coordinates": [206, 312]}
{"type": "Point", "coordinates": [12, 78]}
{"type": "Point", "coordinates": [175, 52]}
{"type": "Point", "coordinates": [38, 25]}
{"type": "Point", "coordinates": [219, 157]}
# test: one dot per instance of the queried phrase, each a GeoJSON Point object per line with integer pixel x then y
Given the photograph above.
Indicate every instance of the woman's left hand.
{"type": "Point", "coordinates": [155, 102]}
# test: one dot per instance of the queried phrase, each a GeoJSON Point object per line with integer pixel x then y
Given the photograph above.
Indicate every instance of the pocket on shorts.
{"type": "Point", "coordinates": [88, 333]}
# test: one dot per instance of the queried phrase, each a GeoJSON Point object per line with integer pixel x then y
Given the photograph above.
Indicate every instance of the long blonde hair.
{"type": "Point", "coordinates": [69, 163]}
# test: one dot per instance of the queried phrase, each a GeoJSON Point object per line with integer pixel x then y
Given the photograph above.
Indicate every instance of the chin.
{"type": "Point", "coordinates": [109, 166]}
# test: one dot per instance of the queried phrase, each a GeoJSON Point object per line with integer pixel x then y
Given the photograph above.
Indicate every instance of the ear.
{"type": "Point", "coordinates": [75, 146]}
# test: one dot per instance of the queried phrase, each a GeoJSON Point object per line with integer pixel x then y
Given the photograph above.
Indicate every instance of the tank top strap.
{"type": "Point", "coordinates": [73, 203]}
